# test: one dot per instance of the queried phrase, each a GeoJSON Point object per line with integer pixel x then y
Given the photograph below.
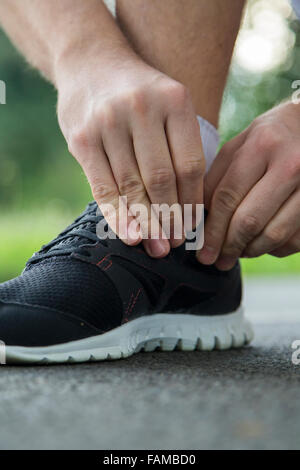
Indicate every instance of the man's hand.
{"type": "Point", "coordinates": [132, 129]}
{"type": "Point", "coordinates": [253, 192]}
{"type": "Point", "coordinates": [135, 134]}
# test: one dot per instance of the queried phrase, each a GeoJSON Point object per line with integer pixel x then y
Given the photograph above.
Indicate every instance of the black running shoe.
{"type": "Point", "coordinates": [85, 299]}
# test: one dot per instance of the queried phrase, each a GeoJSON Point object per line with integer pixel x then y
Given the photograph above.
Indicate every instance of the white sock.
{"type": "Point", "coordinates": [210, 140]}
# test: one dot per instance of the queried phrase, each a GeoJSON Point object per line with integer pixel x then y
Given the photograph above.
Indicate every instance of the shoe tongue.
{"type": "Point", "coordinates": [73, 240]}
{"type": "Point", "coordinates": [76, 241]}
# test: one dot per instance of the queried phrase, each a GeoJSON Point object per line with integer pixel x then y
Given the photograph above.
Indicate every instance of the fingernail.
{"type": "Point", "coordinates": [225, 263]}
{"type": "Point", "coordinates": [207, 255]}
{"type": "Point", "coordinates": [158, 248]}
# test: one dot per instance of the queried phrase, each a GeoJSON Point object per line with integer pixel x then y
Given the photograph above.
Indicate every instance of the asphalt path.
{"type": "Point", "coordinates": [238, 399]}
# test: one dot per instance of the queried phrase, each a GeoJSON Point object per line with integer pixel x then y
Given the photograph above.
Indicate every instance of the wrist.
{"type": "Point", "coordinates": [76, 62]}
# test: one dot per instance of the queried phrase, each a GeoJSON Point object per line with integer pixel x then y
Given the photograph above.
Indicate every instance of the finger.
{"type": "Point", "coordinates": [220, 165]}
{"type": "Point", "coordinates": [241, 176]}
{"type": "Point", "coordinates": [106, 194]}
{"type": "Point", "coordinates": [290, 248]}
{"type": "Point", "coordinates": [120, 153]}
{"type": "Point", "coordinates": [253, 214]}
{"type": "Point", "coordinates": [156, 168]}
{"type": "Point", "coordinates": [188, 159]}
{"type": "Point", "coordinates": [279, 230]}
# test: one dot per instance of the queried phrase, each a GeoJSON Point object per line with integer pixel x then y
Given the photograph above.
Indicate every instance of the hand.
{"type": "Point", "coordinates": [253, 192]}
{"type": "Point", "coordinates": [135, 133]}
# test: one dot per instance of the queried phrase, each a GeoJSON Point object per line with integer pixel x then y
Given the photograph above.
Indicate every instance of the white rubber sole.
{"type": "Point", "coordinates": [165, 332]}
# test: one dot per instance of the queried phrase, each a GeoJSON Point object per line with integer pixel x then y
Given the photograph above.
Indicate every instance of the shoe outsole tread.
{"type": "Point", "coordinates": [163, 332]}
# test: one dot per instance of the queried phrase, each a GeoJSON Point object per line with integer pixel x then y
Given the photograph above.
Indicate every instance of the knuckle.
{"type": "Point", "coordinates": [136, 100]}
{"type": "Point", "coordinates": [78, 140]}
{"type": "Point", "coordinates": [192, 169]}
{"type": "Point", "coordinates": [160, 178]}
{"type": "Point", "coordinates": [227, 199]}
{"type": "Point", "coordinates": [130, 185]}
{"type": "Point", "coordinates": [107, 116]}
{"type": "Point", "coordinates": [241, 154]}
{"type": "Point", "coordinates": [275, 236]}
{"type": "Point", "coordinates": [177, 93]}
{"type": "Point", "coordinates": [234, 247]}
{"type": "Point", "coordinates": [103, 192]}
{"type": "Point", "coordinates": [267, 138]}
{"type": "Point", "coordinates": [247, 227]}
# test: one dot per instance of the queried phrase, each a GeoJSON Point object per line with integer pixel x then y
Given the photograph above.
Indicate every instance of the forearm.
{"type": "Point", "coordinates": [191, 41]}
{"type": "Point", "coordinates": [49, 32]}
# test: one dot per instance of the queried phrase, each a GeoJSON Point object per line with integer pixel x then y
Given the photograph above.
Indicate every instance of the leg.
{"type": "Point", "coordinates": [191, 41]}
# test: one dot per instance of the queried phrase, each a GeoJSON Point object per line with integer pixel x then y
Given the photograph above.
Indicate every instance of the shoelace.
{"type": "Point", "coordinates": [81, 231]}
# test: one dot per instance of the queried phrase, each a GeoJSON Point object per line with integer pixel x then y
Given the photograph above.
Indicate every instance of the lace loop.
{"type": "Point", "coordinates": [80, 232]}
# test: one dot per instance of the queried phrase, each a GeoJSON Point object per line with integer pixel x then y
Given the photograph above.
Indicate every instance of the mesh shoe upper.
{"type": "Point", "coordinates": [69, 286]}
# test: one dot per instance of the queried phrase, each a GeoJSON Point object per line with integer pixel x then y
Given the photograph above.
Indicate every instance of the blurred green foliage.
{"type": "Point", "coordinates": [42, 187]}
{"type": "Point", "coordinates": [34, 162]}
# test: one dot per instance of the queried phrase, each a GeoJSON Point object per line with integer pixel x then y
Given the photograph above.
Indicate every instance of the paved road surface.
{"type": "Point", "coordinates": [236, 399]}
